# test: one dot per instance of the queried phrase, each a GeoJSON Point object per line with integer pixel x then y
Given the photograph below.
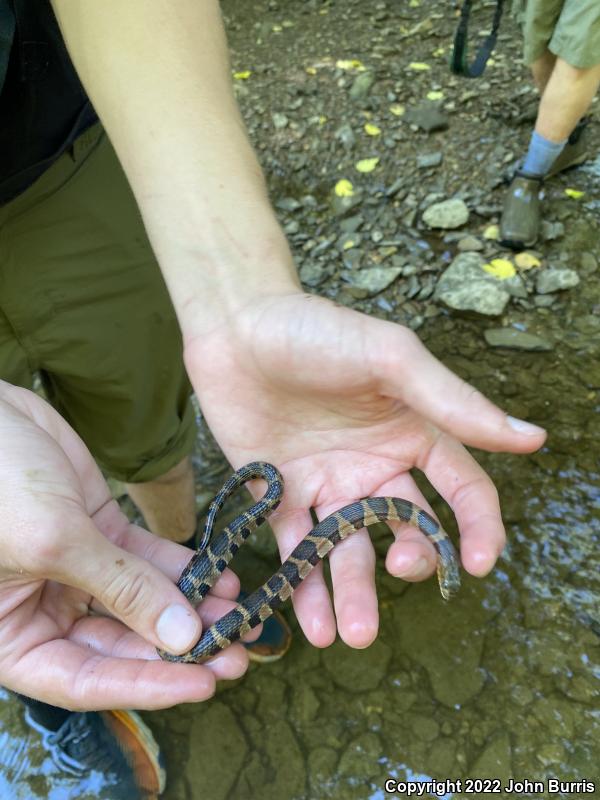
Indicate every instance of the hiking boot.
{"type": "Point", "coordinates": [521, 216]}
{"type": "Point", "coordinates": [113, 750]}
{"type": "Point", "coordinates": [575, 151]}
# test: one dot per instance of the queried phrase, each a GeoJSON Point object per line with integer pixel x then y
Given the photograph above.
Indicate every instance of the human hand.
{"type": "Point", "coordinates": [67, 552]}
{"type": "Point", "coordinates": [345, 405]}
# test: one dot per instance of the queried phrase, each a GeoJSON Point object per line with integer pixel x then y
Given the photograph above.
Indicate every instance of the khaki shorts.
{"type": "Point", "coordinates": [568, 28]}
{"type": "Point", "coordinates": [83, 302]}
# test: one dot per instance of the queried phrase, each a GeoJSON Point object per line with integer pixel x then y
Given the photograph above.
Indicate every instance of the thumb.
{"type": "Point", "coordinates": [132, 590]}
{"type": "Point", "coordinates": [435, 392]}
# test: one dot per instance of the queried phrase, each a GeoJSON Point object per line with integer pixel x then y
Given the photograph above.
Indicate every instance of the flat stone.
{"type": "Point", "coordinates": [469, 244]}
{"type": "Point", "coordinates": [429, 160]}
{"type": "Point", "coordinates": [448, 214]}
{"type": "Point", "coordinates": [464, 286]}
{"type": "Point", "coordinates": [357, 670]}
{"type": "Point", "coordinates": [554, 280]}
{"type": "Point", "coordinates": [361, 757]}
{"type": "Point", "coordinates": [217, 735]}
{"type": "Point", "coordinates": [428, 116]}
{"type": "Point", "coordinates": [362, 85]}
{"type": "Point", "coordinates": [515, 340]}
{"type": "Point", "coordinates": [495, 760]}
{"type": "Point", "coordinates": [434, 634]}
{"type": "Point", "coordinates": [368, 282]}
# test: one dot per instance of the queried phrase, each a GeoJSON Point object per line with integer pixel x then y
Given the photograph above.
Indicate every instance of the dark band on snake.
{"type": "Point", "coordinates": [208, 563]}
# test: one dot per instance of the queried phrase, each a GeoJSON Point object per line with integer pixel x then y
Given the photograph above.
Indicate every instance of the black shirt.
{"type": "Point", "coordinates": [43, 106]}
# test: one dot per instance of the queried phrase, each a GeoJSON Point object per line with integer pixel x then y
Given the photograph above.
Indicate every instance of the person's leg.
{"type": "Point", "coordinates": [541, 70]}
{"type": "Point", "coordinates": [168, 502]}
{"type": "Point", "coordinates": [566, 98]}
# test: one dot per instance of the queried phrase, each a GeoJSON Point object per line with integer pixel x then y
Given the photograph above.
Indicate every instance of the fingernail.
{"type": "Point", "coordinates": [521, 426]}
{"type": "Point", "coordinates": [420, 569]}
{"type": "Point", "coordinates": [176, 628]}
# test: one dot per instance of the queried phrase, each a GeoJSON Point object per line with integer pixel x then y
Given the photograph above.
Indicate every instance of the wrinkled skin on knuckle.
{"type": "Point", "coordinates": [126, 594]}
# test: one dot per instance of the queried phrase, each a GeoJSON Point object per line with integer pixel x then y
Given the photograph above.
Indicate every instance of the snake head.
{"type": "Point", "coordinates": [449, 579]}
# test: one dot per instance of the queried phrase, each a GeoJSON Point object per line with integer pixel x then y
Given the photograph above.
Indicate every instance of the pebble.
{"type": "Point", "coordinates": [371, 280]}
{"type": "Point", "coordinates": [469, 244]}
{"type": "Point", "coordinates": [553, 280]}
{"type": "Point", "coordinates": [515, 340]}
{"type": "Point", "coordinates": [428, 116]}
{"type": "Point", "coordinates": [448, 214]}
{"type": "Point", "coordinates": [362, 85]}
{"type": "Point", "coordinates": [429, 160]}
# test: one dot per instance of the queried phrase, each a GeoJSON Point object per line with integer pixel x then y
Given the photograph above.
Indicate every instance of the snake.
{"type": "Point", "coordinates": [215, 552]}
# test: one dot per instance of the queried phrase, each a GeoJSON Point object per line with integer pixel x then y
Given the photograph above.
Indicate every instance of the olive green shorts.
{"type": "Point", "coordinates": [570, 29]}
{"type": "Point", "coordinates": [83, 303]}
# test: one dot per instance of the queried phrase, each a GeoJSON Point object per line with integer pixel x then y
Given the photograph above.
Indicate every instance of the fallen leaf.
{"type": "Point", "coordinates": [492, 232]}
{"type": "Point", "coordinates": [372, 130]}
{"type": "Point", "coordinates": [367, 164]}
{"type": "Point", "coordinates": [350, 63]}
{"type": "Point", "coordinates": [574, 193]}
{"type": "Point", "coordinates": [419, 66]}
{"type": "Point", "coordinates": [527, 260]}
{"type": "Point", "coordinates": [397, 109]}
{"type": "Point", "coordinates": [243, 75]}
{"type": "Point", "coordinates": [500, 268]}
{"type": "Point", "coordinates": [344, 188]}
{"type": "Point", "coordinates": [311, 70]}
{"type": "Point", "coordinates": [433, 95]}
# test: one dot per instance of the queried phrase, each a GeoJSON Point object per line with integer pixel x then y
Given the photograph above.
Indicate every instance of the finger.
{"type": "Point", "coordinates": [411, 556]}
{"type": "Point", "coordinates": [170, 557]}
{"type": "Point", "coordinates": [473, 497]}
{"type": "Point", "coordinates": [68, 676]}
{"type": "Point", "coordinates": [442, 397]}
{"type": "Point", "coordinates": [129, 587]}
{"type": "Point", "coordinates": [355, 599]}
{"type": "Point", "coordinates": [312, 604]}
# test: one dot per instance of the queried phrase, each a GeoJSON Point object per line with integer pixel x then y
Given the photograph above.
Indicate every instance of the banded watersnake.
{"type": "Point", "coordinates": [208, 563]}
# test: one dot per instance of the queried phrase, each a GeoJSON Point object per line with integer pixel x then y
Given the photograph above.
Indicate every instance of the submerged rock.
{"type": "Point", "coordinates": [357, 670]}
{"type": "Point", "coordinates": [515, 339]}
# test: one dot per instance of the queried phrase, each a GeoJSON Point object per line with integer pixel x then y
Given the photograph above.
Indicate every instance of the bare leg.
{"type": "Point", "coordinates": [567, 96]}
{"type": "Point", "coordinates": [168, 503]}
{"type": "Point", "coordinates": [541, 69]}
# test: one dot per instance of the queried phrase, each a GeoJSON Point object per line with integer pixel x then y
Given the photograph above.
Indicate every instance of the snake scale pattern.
{"type": "Point", "coordinates": [208, 562]}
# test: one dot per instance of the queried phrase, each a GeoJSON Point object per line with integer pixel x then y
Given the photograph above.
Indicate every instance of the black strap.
{"type": "Point", "coordinates": [7, 32]}
{"type": "Point", "coordinates": [459, 62]}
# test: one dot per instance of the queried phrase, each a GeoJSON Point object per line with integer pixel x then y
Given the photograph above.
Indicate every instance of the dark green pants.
{"type": "Point", "coordinates": [83, 302]}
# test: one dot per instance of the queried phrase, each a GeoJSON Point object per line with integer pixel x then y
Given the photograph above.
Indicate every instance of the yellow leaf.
{"type": "Point", "coordinates": [419, 66]}
{"type": "Point", "coordinates": [574, 193]}
{"type": "Point", "coordinates": [500, 268]}
{"type": "Point", "coordinates": [434, 95]}
{"type": "Point", "coordinates": [492, 232]}
{"type": "Point", "coordinates": [491, 62]}
{"type": "Point", "coordinates": [242, 76]}
{"type": "Point", "coordinates": [397, 109]}
{"type": "Point", "coordinates": [344, 188]}
{"type": "Point", "coordinates": [439, 52]}
{"type": "Point", "coordinates": [367, 164]}
{"type": "Point", "coordinates": [414, 3]}
{"type": "Point", "coordinates": [311, 70]}
{"type": "Point", "coordinates": [349, 244]}
{"type": "Point", "coordinates": [527, 261]}
{"type": "Point", "coordinates": [322, 119]}
{"type": "Point", "coordinates": [349, 63]}
{"type": "Point", "coordinates": [276, 28]}
{"type": "Point", "coordinates": [372, 130]}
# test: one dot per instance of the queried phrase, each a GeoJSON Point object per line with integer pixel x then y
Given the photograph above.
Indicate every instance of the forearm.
{"type": "Point", "coordinates": [158, 74]}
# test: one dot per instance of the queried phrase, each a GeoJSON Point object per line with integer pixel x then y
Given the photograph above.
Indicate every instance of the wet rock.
{"type": "Point", "coordinates": [362, 85]}
{"type": "Point", "coordinates": [588, 263]}
{"type": "Point", "coordinates": [428, 116]}
{"type": "Point", "coordinates": [448, 214]}
{"type": "Point", "coordinates": [551, 230]}
{"type": "Point", "coordinates": [425, 729]}
{"type": "Point", "coordinates": [551, 754]}
{"type": "Point", "coordinates": [322, 762]}
{"type": "Point", "coordinates": [434, 635]}
{"type": "Point", "coordinates": [495, 760]}
{"type": "Point", "coordinates": [342, 205]}
{"type": "Point", "coordinates": [360, 758]}
{"type": "Point", "coordinates": [305, 704]}
{"type": "Point", "coordinates": [469, 244]}
{"type": "Point", "coordinates": [464, 286]}
{"type": "Point", "coordinates": [217, 735]}
{"type": "Point", "coordinates": [515, 339]}
{"type": "Point", "coordinates": [429, 160]}
{"type": "Point", "coordinates": [357, 670]}
{"type": "Point", "coordinates": [554, 280]}
{"type": "Point", "coordinates": [368, 282]}
{"type": "Point", "coordinates": [287, 764]}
